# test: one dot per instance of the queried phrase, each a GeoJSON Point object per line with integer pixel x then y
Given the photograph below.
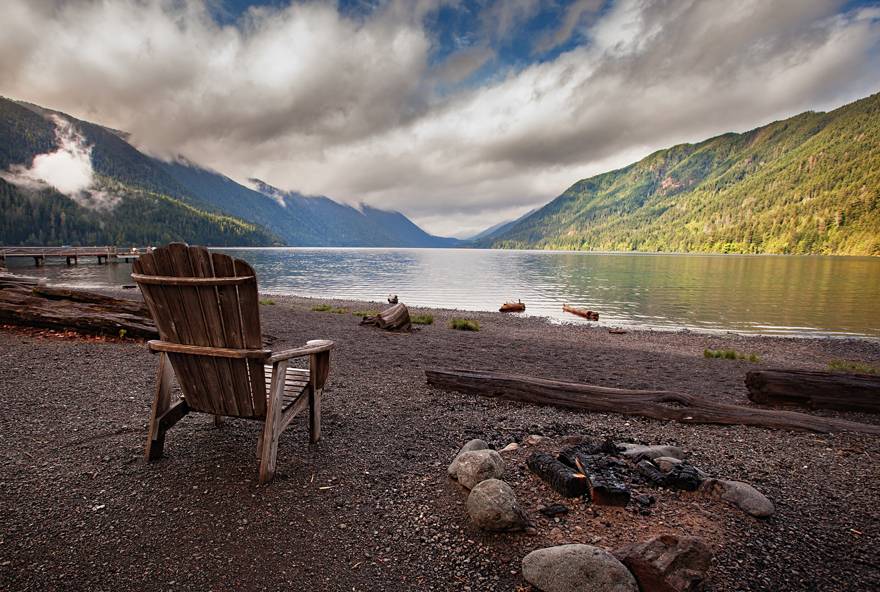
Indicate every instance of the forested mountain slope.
{"type": "Point", "coordinates": [808, 184]}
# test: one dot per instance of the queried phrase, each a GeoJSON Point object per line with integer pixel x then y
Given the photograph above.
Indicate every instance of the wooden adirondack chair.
{"type": "Point", "coordinates": [206, 309]}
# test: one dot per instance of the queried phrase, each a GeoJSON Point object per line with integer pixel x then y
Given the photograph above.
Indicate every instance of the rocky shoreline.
{"type": "Point", "coordinates": [372, 507]}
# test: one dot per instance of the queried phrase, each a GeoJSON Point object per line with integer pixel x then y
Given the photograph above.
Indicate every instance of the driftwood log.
{"type": "Point", "coordinates": [816, 390]}
{"type": "Point", "coordinates": [581, 312]}
{"type": "Point", "coordinates": [24, 301]}
{"type": "Point", "coordinates": [393, 318]}
{"type": "Point", "coordinates": [663, 405]}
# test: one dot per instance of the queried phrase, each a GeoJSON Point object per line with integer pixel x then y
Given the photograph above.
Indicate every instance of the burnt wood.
{"type": "Point", "coordinates": [682, 476]}
{"type": "Point", "coordinates": [563, 479]}
{"type": "Point", "coordinates": [604, 475]}
{"type": "Point", "coordinates": [815, 390]}
{"type": "Point", "coordinates": [662, 405]}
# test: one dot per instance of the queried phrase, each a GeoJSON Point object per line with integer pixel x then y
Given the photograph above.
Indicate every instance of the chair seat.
{"type": "Point", "coordinates": [296, 381]}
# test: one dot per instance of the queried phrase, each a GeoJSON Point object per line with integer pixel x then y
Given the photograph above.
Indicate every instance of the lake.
{"type": "Point", "coordinates": [779, 295]}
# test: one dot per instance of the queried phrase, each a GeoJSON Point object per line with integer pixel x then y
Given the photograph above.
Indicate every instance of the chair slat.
{"type": "Point", "coordinates": [230, 312]}
{"type": "Point", "coordinates": [249, 305]}
{"type": "Point", "coordinates": [200, 260]}
{"type": "Point", "coordinates": [165, 311]}
{"type": "Point", "coordinates": [191, 367]}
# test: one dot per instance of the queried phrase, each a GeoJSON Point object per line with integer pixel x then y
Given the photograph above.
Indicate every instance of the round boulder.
{"type": "Point", "coordinates": [744, 496]}
{"type": "Point", "coordinates": [577, 568]}
{"type": "Point", "coordinates": [475, 444]}
{"type": "Point", "coordinates": [477, 465]}
{"type": "Point", "coordinates": [492, 505]}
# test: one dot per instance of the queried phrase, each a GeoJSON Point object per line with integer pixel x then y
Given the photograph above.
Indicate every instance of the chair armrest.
{"type": "Point", "coordinates": [315, 346]}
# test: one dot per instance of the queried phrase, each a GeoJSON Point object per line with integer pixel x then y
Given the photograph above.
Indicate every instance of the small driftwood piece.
{"type": "Point", "coordinates": [815, 390]}
{"type": "Point", "coordinates": [663, 405]}
{"type": "Point", "coordinates": [566, 481]}
{"type": "Point", "coordinates": [581, 312]}
{"type": "Point", "coordinates": [393, 318]}
{"type": "Point", "coordinates": [517, 306]}
{"type": "Point", "coordinates": [23, 301]}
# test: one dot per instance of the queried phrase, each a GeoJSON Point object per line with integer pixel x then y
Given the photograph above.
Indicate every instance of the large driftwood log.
{"type": "Point", "coordinates": [816, 390]}
{"type": "Point", "coordinates": [25, 302]}
{"type": "Point", "coordinates": [662, 405]}
{"type": "Point", "coordinates": [393, 318]}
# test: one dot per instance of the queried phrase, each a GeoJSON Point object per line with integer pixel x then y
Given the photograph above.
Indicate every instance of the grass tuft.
{"type": "Point", "coordinates": [464, 325]}
{"type": "Point", "coordinates": [267, 302]}
{"type": "Point", "coordinates": [852, 367]}
{"type": "Point", "coordinates": [365, 313]}
{"type": "Point", "coordinates": [329, 308]}
{"type": "Point", "coordinates": [424, 319]}
{"type": "Point", "coordinates": [730, 354]}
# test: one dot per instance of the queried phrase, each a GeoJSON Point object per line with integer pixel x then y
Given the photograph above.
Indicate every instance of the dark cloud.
{"type": "Point", "coordinates": [310, 99]}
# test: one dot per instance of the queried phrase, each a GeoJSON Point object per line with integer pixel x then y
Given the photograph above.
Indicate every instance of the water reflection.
{"type": "Point", "coordinates": [762, 294]}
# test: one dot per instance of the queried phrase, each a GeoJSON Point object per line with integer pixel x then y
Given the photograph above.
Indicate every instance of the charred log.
{"type": "Point", "coordinates": [605, 474]}
{"type": "Point", "coordinates": [682, 476]}
{"type": "Point", "coordinates": [563, 479]}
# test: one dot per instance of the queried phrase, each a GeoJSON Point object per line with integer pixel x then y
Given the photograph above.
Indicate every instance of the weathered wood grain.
{"type": "Point", "coordinates": [815, 390]}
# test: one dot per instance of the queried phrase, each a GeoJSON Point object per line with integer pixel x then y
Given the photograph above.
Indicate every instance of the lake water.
{"type": "Point", "coordinates": [815, 296]}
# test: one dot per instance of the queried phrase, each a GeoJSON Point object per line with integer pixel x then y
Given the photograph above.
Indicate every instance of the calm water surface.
{"type": "Point", "coordinates": [836, 296]}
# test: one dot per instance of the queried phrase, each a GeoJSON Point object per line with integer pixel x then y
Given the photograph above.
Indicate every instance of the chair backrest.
{"type": "Point", "coordinates": [223, 314]}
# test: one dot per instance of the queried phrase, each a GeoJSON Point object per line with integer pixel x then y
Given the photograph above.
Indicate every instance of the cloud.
{"type": "Point", "coordinates": [68, 169]}
{"type": "Point", "coordinates": [312, 100]}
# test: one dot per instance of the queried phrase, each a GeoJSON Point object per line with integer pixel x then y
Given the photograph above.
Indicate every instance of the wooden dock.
{"type": "Point", "coordinates": [71, 255]}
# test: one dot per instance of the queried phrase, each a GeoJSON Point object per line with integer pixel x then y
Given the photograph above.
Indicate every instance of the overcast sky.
{"type": "Point", "coordinates": [459, 114]}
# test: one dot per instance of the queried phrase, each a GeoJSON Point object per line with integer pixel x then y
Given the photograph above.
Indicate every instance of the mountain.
{"type": "Point", "coordinates": [500, 228]}
{"type": "Point", "coordinates": [138, 207]}
{"type": "Point", "coordinates": [349, 226]}
{"type": "Point", "coordinates": [808, 184]}
{"type": "Point", "coordinates": [164, 201]}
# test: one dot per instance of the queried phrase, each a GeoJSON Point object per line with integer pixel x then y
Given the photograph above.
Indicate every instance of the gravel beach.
{"type": "Point", "coordinates": [371, 507]}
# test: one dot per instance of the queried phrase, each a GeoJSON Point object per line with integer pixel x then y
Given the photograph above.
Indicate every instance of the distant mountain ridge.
{"type": "Point", "coordinates": [809, 184]}
{"type": "Point", "coordinates": [227, 212]}
{"type": "Point", "coordinates": [350, 226]}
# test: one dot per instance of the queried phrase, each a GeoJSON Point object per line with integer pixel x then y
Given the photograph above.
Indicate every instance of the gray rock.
{"type": "Point", "coordinates": [637, 452]}
{"type": "Point", "coordinates": [492, 505]}
{"type": "Point", "coordinates": [668, 563]}
{"type": "Point", "coordinates": [577, 568]}
{"type": "Point", "coordinates": [744, 496]}
{"type": "Point", "coordinates": [477, 465]}
{"type": "Point", "coordinates": [474, 444]}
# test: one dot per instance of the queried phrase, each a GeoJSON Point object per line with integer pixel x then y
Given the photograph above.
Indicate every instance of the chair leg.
{"type": "Point", "coordinates": [314, 414]}
{"type": "Point", "coordinates": [161, 404]}
{"type": "Point", "coordinates": [272, 429]}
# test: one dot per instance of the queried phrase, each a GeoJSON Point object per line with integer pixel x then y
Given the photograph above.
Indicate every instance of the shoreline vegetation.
{"type": "Point", "coordinates": [394, 499]}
